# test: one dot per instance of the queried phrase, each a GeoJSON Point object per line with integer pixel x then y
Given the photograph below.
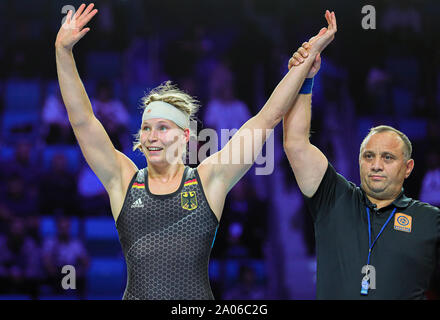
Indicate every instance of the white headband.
{"type": "Point", "coordinates": [163, 110]}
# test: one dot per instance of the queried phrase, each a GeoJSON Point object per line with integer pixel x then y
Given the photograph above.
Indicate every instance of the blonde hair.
{"type": "Point", "coordinates": [169, 93]}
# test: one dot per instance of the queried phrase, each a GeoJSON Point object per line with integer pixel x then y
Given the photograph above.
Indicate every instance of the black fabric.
{"type": "Point", "coordinates": [404, 262]}
{"type": "Point", "coordinates": [166, 246]}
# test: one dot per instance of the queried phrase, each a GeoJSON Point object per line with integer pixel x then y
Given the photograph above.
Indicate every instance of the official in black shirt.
{"type": "Point", "coordinates": [372, 242]}
{"type": "Point", "coordinates": [404, 256]}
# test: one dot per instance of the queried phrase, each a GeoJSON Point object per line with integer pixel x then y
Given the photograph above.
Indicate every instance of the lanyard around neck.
{"type": "Point", "coordinates": [371, 245]}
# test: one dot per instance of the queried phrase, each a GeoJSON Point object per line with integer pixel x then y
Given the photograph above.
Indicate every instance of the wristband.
{"type": "Point", "coordinates": [307, 86]}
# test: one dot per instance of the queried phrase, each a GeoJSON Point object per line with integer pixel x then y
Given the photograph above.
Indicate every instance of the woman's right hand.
{"type": "Point", "coordinates": [315, 46]}
{"type": "Point", "coordinates": [73, 29]}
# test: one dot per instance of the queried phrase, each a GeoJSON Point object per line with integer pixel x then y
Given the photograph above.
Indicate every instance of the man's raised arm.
{"type": "Point", "coordinates": [307, 161]}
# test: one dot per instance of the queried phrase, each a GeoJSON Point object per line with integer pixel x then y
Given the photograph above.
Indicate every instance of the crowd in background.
{"type": "Point", "coordinates": [230, 55]}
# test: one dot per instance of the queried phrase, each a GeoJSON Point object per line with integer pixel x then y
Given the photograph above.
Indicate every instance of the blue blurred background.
{"type": "Point", "coordinates": [230, 55]}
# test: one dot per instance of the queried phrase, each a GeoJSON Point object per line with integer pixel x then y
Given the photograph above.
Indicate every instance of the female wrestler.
{"type": "Point", "coordinates": [167, 213]}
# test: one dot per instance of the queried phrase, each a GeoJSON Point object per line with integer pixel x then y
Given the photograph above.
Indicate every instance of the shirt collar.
{"type": "Point", "coordinates": [401, 201]}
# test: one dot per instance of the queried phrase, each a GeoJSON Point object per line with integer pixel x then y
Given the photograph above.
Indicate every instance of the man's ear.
{"type": "Point", "coordinates": [409, 167]}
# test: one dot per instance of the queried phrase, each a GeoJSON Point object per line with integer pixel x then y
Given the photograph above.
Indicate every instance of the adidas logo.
{"type": "Point", "coordinates": [137, 204]}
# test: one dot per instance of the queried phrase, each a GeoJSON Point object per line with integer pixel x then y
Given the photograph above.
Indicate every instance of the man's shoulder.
{"type": "Point", "coordinates": [332, 173]}
{"type": "Point", "coordinates": [336, 197]}
{"type": "Point", "coordinates": [425, 206]}
{"type": "Point", "coordinates": [335, 187]}
{"type": "Point", "coordinates": [430, 214]}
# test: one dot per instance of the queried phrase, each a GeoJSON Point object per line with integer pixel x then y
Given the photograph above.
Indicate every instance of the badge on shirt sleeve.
{"type": "Point", "coordinates": [402, 222]}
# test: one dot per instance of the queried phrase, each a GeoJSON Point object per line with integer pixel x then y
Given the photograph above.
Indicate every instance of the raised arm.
{"type": "Point", "coordinates": [109, 165]}
{"type": "Point", "coordinates": [307, 161]}
{"type": "Point", "coordinates": [219, 175]}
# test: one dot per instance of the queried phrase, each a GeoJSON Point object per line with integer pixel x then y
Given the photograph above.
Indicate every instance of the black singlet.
{"type": "Point", "coordinates": [167, 240]}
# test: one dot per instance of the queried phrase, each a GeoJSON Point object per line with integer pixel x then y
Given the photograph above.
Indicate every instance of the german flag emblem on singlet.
{"type": "Point", "coordinates": [190, 183]}
{"type": "Point", "coordinates": [188, 200]}
{"type": "Point", "coordinates": [137, 185]}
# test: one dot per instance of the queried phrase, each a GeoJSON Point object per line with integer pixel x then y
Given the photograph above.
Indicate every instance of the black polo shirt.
{"type": "Point", "coordinates": [404, 257]}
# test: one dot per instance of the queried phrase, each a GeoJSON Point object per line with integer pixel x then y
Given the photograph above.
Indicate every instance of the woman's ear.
{"type": "Point", "coordinates": [186, 133]}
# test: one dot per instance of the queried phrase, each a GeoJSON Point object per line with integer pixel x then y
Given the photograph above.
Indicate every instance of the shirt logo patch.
{"type": "Point", "coordinates": [137, 204]}
{"type": "Point", "coordinates": [188, 200]}
{"type": "Point", "coordinates": [402, 222]}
